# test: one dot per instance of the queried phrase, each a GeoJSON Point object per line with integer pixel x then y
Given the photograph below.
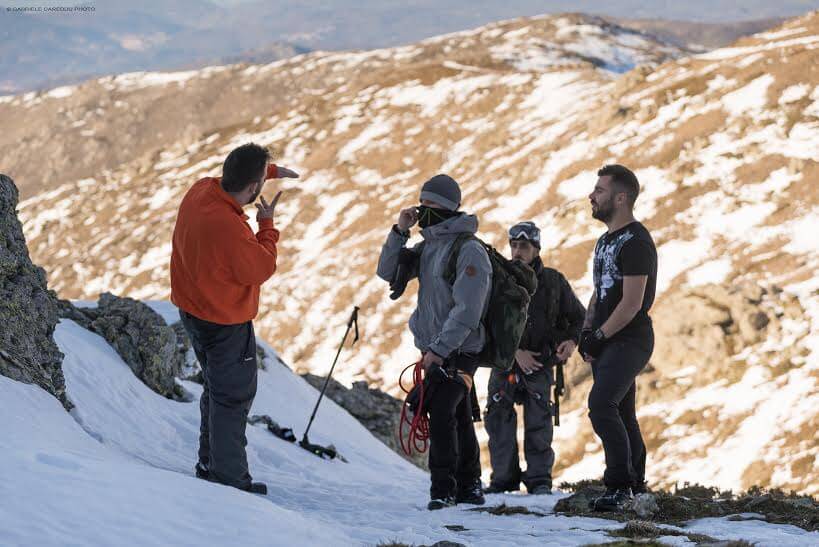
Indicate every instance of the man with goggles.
{"type": "Point", "coordinates": [552, 330]}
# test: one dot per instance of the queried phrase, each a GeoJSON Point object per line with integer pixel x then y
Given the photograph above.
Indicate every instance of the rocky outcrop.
{"type": "Point", "coordinates": [29, 313]}
{"type": "Point", "coordinates": [706, 325]}
{"type": "Point", "coordinates": [191, 369]}
{"type": "Point", "coordinates": [695, 502]}
{"type": "Point", "coordinates": [28, 310]}
{"type": "Point", "coordinates": [379, 412]}
{"type": "Point", "coordinates": [140, 336]}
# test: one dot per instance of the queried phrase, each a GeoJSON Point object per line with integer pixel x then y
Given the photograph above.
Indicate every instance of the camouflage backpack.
{"type": "Point", "coordinates": [513, 284]}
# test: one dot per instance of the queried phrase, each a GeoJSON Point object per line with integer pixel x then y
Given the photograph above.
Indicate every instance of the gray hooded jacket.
{"type": "Point", "coordinates": [448, 317]}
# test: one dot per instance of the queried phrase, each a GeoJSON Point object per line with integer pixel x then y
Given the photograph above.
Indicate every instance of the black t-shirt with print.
{"type": "Point", "coordinates": [627, 251]}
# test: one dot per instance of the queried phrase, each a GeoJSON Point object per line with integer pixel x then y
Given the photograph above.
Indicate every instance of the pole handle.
{"type": "Point", "coordinates": [354, 321]}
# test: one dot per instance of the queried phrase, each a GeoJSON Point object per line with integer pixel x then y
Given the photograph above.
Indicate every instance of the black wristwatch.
{"type": "Point", "coordinates": [599, 335]}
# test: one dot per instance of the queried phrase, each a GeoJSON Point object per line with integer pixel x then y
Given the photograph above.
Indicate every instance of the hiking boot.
{"type": "Point", "coordinates": [501, 488]}
{"type": "Point", "coordinates": [202, 471]}
{"type": "Point", "coordinates": [472, 494]}
{"type": "Point", "coordinates": [257, 488]}
{"type": "Point", "coordinates": [440, 503]}
{"type": "Point", "coordinates": [541, 490]}
{"type": "Point", "coordinates": [615, 499]}
{"type": "Point", "coordinates": [640, 488]}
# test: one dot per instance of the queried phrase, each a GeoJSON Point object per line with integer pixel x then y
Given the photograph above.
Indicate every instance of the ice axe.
{"type": "Point", "coordinates": [326, 452]}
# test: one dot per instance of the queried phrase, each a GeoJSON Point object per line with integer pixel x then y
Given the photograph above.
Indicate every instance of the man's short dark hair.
{"type": "Point", "coordinates": [623, 179]}
{"type": "Point", "coordinates": [244, 166]}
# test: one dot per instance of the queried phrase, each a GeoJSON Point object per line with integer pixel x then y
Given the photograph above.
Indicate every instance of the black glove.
{"type": "Point", "coordinates": [592, 343]}
{"type": "Point", "coordinates": [407, 261]}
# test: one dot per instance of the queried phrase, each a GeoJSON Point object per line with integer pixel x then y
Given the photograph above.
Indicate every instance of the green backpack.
{"type": "Point", "coordinates": [513, 284]}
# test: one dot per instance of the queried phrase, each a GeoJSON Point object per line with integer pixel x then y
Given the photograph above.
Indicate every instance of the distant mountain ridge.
{"type": "Point", "coordinates": [699, 36]}
{"type": "Point", "coordinates": [44, 50]}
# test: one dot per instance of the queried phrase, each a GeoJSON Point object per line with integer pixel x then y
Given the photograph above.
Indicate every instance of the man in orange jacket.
{"type": "Point", "coordinates": [217, 267]}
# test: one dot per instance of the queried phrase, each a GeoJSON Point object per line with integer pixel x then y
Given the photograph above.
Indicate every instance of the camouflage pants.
{"type": "Point", "coordinates": [501, 421]}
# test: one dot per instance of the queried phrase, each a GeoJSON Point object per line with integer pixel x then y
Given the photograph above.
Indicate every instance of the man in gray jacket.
{"type": "Point", "coordinates": [447, 328]}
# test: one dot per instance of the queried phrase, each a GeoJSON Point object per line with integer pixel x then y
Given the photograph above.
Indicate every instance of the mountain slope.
{"type": "Point", "coordinates": [119, 473]}
{"type": "Point", "coordinates": [522, 113]}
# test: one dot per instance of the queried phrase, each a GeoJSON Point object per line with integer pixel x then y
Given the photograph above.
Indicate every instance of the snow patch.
{"type": "Point", "coordinates": [379, 127]}
{"type": "Point", "coordinates": [61, 92]}
{"type": "Point", "coordinates": [732, 52]}
{"type": "Point", "coordinates": [749, 99]}
{"type": "Point", "coordinates": [713, 271]}
{"type": "Point", "coordinates": [431, 97]}
{"type": "Point", "coordinates": [794, 93]}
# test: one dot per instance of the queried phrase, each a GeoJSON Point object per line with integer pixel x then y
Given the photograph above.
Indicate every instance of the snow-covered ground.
{"type": "Point", "coordinates": [118, 471]}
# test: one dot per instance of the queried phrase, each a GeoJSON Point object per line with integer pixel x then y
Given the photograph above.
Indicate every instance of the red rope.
{"type": "Point", "coordinates": [418, 435]}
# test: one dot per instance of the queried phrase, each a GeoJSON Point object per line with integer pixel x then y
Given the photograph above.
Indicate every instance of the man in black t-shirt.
{"type": "Point", "coordinates": [618, 337]}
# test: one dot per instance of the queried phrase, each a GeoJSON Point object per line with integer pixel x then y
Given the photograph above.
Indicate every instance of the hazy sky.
{"type": "Point", "coordinates": [700, 10]}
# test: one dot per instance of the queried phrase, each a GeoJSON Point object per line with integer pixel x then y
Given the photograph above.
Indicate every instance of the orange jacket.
{"type": "Point", "coordinates": [217, 262]}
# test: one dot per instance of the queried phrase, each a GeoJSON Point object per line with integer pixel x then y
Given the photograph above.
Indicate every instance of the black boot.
{"type": "Point", "coordinates": [495, 488]}
{"type": "Point", "coordinates": [615, 499]}
{"type": "Point", "coordinates": [257, 488]}
{"type": "Point", "coordinates": [471, 493]}
{"type": "Point", "coordinates": [640, 488]}
{"type": "Point", "coordinates": [202, 471]}
{"type": "Point", "coordinates": [543, 489]}
{"type": "Point", "coordinates": [440, 503]}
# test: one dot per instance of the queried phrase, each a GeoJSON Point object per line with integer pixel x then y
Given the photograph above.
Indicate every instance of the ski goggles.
{"type": "Point", "coordinates": [525, 230]}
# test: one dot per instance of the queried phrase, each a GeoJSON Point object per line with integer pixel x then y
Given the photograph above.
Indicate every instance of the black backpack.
{"type": "Point", "coordinates": [513, 284]}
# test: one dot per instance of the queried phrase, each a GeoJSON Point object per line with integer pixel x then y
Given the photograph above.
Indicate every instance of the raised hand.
{"type": "Point", "coordinates": [407, 219]}
{"type": "Point", "coordinates": [266, 210]}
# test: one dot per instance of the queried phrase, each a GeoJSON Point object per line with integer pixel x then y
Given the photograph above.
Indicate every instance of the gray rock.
{"type": "Point", "coordinates": [645, 505]}
{"type": "Point", "coordinates": [581, 501]}
{"type": "Point", "coordinates": [28, 310]}
{"type": "Point", "coordinates": [378, 411]}
{"type": "Point", "coordinates": [711, 323]}
{"type": "Point", "coordinates": [191, 370]}
{"type": "Point", "coordinates": [758, 320]}
{"type": "Point", "coordinates": [139, 335]}
{"type": "Point", "coordinates": [801, 502]}
{"type": "Point", "coordinates": [759, 500]}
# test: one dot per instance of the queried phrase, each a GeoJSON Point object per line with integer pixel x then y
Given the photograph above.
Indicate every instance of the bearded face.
{"type": "Point", "coordinates": [602, 208]}
{"type": "Point", "coordinates": [256, 193]}
{"type": "Point", "coordinates": [602, 200]}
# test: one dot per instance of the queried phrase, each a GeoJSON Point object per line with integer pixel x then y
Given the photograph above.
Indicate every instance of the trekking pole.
{"type": "Point", "coordinates": [353, 321]}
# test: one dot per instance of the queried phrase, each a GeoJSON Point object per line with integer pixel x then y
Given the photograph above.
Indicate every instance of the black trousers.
{"type": "Point", "coordinates": [454, 453]}
{"type": "Point", "coordinates": [501, 421]}
{"type": "Point", "coordinates": [227, 354]}
{"type": "Point", "coordinates": [612, 409]}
